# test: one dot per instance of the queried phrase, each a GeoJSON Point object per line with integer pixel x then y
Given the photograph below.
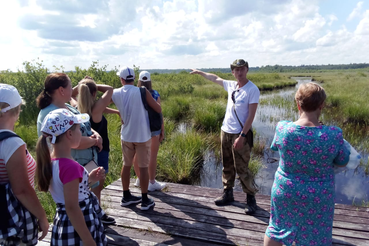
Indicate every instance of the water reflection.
{"type": "Point", "coordinates": [351, 185]}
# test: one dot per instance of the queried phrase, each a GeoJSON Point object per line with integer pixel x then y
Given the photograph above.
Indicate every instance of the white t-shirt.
{"type": "Point", "coordinates": [64, 171]}
{"type": "Point", "coordinates": [136, 127]}
{"type": "Point", "coordinates": [247, 94]}
{"type": "Point", "coordinates": [7, 148]}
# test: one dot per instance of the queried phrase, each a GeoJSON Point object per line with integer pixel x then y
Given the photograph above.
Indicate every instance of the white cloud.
{"type": "Point", "coordinates": [356, 12]}
{"type": "Point", "coordinates": [332, 18]}
{"type": "Point", "coordinates": [363, 27]}
{"type": "Point", "coordinates": [175, 33]}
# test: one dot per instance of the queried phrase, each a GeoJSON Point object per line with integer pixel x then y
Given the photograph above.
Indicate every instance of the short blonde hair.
{"type": "Point", "coordinates": [310, 96]}
{"type": "Point", "coordinates": [13, 111]}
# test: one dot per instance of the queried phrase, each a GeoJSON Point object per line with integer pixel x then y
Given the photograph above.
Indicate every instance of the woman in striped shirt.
{"type": "Point", "coordinates": [18, 200]}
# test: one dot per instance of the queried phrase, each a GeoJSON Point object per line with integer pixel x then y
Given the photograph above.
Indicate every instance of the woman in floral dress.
{"type": "Point", "coordinates": [302, 204]}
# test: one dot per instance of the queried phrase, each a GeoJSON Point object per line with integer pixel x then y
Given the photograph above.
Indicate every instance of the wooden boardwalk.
{"type": "Point", "coordinates": [187, 215]}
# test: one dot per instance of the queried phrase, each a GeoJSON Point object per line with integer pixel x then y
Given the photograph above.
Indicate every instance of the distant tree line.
{"type": "Point", "coordinates": [272, 69]}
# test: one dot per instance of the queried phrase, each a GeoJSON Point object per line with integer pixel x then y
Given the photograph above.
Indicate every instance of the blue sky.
{"type": "Point", "coordinates": [182, 34]}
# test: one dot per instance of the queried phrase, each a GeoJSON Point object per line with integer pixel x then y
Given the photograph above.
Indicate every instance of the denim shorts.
{"type": "Point", "coordinates": [156, 133]}
{"type": "Point", "coordinates": [103, 160]}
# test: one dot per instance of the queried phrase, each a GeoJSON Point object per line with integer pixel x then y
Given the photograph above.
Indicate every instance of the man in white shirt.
{"type": "Point", "coordinates": [236, 136]}
{"type": "Point", "coordinates": [135, 135]}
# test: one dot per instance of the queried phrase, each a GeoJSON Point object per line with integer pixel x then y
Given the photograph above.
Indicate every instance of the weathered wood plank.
{"type": "Point", "coordinates": [240, 196]}
{"type": "Point", "coordinates": [187, 215]}
{"type": "Point", "coordinates": [353, 216]}
{"type": "Point", "coordinates": [137, 237]}
{"type": "Point", "coordinates": [206, 222]}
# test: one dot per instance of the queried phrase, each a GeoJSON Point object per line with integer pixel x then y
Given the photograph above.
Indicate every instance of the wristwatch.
{"type": "Point", "coordinates": [243, 134]}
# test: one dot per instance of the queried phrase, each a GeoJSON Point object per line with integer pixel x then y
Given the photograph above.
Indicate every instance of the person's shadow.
{"type": "Point", "coordinates": [189, 219]}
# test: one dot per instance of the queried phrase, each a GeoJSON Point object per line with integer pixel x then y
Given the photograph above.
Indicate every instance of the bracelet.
{"type": "Point", "coordinates": [243, 134]}
{"type": "Point", "coordinates": [94, 185]}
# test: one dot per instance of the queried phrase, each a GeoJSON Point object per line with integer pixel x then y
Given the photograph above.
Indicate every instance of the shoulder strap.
{"type": "Point", "coordinates": [5, 135]}
{"type": "Point", "coordinates": [143, 96]}
{"type": "Point", "coordinates": [234, 108]}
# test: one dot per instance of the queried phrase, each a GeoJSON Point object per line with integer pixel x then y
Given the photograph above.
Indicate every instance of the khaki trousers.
{"type": "Point", "coordinates": [236, 161]}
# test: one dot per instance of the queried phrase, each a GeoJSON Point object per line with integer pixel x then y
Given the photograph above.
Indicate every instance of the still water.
{"type": "Point", "coordinates": [352, 186]}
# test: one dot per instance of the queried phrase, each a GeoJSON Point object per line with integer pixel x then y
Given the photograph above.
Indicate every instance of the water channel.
{"type": "Point", "coordinates": [352, 186]}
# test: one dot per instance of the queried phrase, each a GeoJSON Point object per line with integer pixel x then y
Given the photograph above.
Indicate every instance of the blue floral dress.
{"type": "Point", "coordinates": [302, 201]}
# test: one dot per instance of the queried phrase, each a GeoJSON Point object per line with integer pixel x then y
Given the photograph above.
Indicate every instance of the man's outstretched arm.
{"type": "Point", "coordinates": [209, 76]}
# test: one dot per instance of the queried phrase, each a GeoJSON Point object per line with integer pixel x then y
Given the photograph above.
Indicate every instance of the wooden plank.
{"type": "Point", "coordinates": [187, 215]}
{"type": "Point", "coordinates": [237, 208]}
{"type": "Point", "coordinates": [240, 196]}
{"type": "Point", "coordinates": [242, 224]}
{"type": "Point", "coordinates": [115, 234]}
{"type": "Point", "coordinates": [196, 205]}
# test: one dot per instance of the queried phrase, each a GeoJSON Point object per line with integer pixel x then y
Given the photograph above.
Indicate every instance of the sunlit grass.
{"type": "Point", "coordinates": [181, 156]}
{"type": "Point", "coordinates": [209, 115]}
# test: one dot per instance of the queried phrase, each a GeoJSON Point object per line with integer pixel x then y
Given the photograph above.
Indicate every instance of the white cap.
{"type": "Point", "coordinates": [126, 73]}
{"type": "Point", "coordinates": [60, 120]}
{"type": "Point", "coordinates": [10, 95]}
{"type": "Point", "coordinates": [144, 76]}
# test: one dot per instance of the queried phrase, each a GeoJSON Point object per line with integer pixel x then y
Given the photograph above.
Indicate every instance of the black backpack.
{"type": "Point", "coordinates": [6, 134]}
{"type": "Point", "coordinates": [155, 118]}
{"type": "Point", "coordinates": [4, 224]}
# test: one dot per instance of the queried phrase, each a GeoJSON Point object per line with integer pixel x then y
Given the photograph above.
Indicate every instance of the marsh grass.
{"type": "Point", "coordinates": [365, 166]}
{"type": "Point", "coordinates": [259, 145]}
{"type": "Point", "coordinates": [181, 156]}
{"type": "Point", "coordinates": [209, 115]}
{"type": "Point", "coordinates": [209, 91]}
{"type": "Point", "coordinates": [255, 164]}
{"type": "Point", "coordinates": [177, 108]}
{"type": "Point", "coordinates": [346, 105]}
{"type": "Point", "coordinates": [362, 203]}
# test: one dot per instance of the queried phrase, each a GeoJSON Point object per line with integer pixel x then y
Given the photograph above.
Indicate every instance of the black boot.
{"type": "Point", "coordinates": [226, 198]}
{"type": "Point", "coordinates": [251, 205]}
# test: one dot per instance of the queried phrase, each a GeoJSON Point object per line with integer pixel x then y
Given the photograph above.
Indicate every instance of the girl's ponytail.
{"type": "Point", "coordinates": [43, 100]}
{"type": "Point", "coordinates": [44, 169]}
{"type": "Point", "coordinates": [85, 100]}
{"type": "Point", "coordinates": [86, 90]}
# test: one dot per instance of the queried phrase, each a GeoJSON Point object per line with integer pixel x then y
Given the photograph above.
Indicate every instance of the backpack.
{"type": "Point", "coordinates": [155, 118]}
{"type": "Point", "coordinates": [5, 135]}
{"type": "Point", "coordinates": [4, 225]}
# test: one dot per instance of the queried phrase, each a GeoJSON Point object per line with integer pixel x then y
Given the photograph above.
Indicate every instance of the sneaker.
{"type": "Point", "coordinates": [137, 183]}
{"type": "Point", "coordinates": [145, 205]}
{"type": "Point", "coordinates": [156, 186]}
{"type": "Point", "coordinates": [130, 200]}
{"type": "Point", "coordinates": [225, 198]}
{"type": "Point", "coordinates": [107, 220]}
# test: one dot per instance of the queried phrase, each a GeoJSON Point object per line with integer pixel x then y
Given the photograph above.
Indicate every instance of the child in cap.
{"type": "Point", "coordinates": [157, 137]}
{"type": "Point", "coordinates": [21, 211]}
{"type": "Point", "coordinates": [78, 214]}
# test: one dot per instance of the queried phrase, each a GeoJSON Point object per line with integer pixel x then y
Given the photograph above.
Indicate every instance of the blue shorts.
{"type": "Point", "coordinates": [156, 133]}
{"type": "Point", "coordinates": [103, 160]}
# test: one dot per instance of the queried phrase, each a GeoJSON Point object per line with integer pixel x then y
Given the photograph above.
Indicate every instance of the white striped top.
{"type": "Point", "coordinates": [7, 149]}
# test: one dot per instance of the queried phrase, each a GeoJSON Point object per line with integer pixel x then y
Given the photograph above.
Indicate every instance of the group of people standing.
{"type": "Point", "coordinates": [71, 136]}
{"type": "Point", "coordinates": [73, 133]}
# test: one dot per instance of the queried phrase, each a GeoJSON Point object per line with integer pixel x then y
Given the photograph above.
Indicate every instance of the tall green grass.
{"type": "Point", "coordinates": [209, 115]}
{"type": "Point", "coordinates": [181, 156]}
